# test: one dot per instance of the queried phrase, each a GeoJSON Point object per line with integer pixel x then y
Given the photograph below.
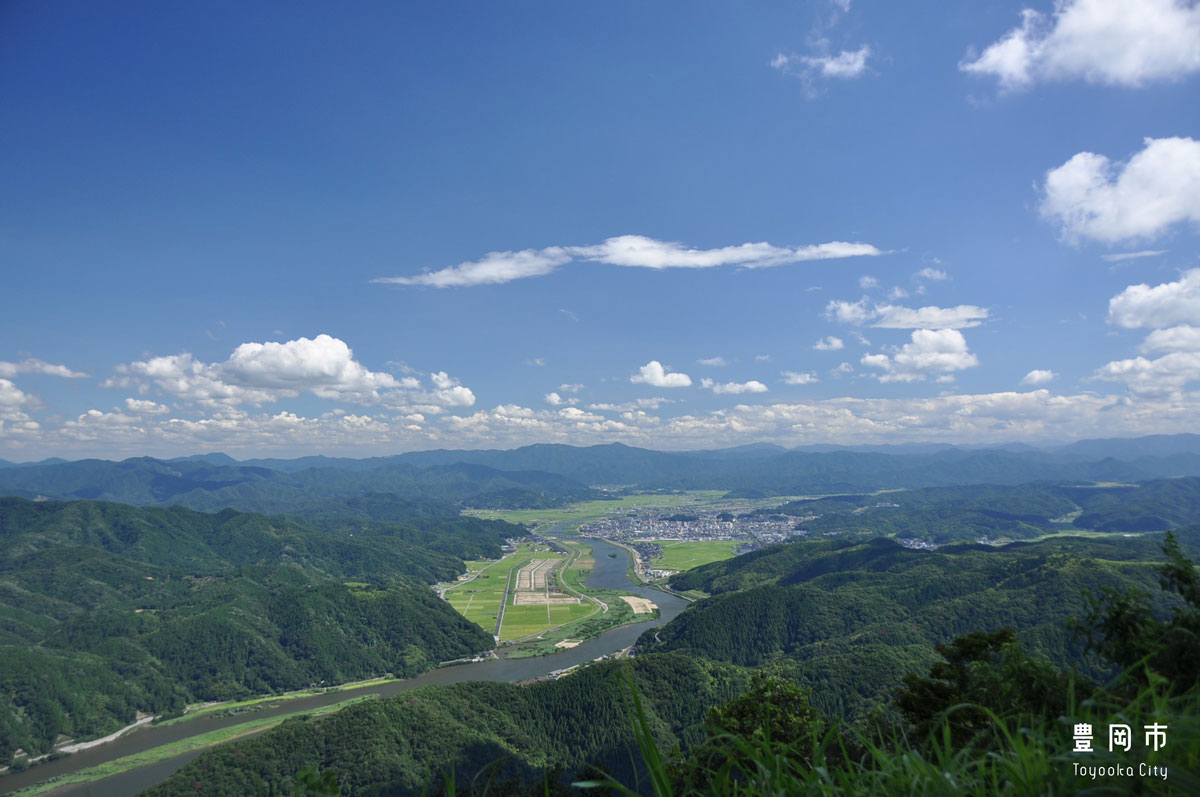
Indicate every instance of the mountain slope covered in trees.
{"type": "Point", "coordinates": [107, 610]}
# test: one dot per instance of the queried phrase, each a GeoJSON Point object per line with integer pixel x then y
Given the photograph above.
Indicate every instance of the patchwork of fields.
{"type": "Point", "coordinates": [525, 586]}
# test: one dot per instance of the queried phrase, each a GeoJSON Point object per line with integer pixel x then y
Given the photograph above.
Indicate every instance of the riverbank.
{"type": "Point", "coordinates": [607, 574]}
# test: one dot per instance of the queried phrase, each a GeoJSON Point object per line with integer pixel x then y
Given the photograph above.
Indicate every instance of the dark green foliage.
{"type": "Point", "coordinates": [397, 745]}
{"type": "Point", "coordinates": [109, 610]}
{"type": "Point", "coordinates": [856, 615]}
{"type": "Point", "coordinates": [1122, 628]}
{"type": "Point", "coordinates": [982, 669]}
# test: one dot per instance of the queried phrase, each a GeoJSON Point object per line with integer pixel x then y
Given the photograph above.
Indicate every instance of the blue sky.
{"type": "Point", "coordinates": [370, 228]}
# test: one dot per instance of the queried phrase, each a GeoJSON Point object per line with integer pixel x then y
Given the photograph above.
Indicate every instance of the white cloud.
{"type": "Point", "coordinates": [1165, 375]}
{"type": "Point", "coordinates": [733, 388]}
{"type": "Point", "coordinates": [897, 293]}
{"type": "Point", "coordinates": [844, 368]}
{"type": "Point", "coordinates": [930, 273]}
{"type": "Point", "coordinates": [1092, 198]}
{"type": "Point", "coordinates": [555, 399]}
{"type": "Point", "coordinates": [637, 251]}
{"type": "Point", "coordinates": [849, 312]}
{"type": "Point", "coordinates": [32, 365]}
{"type": "Point", "coordinates": [798, 377]}
{"type": "Point", "coordinates": [890, 316]}
{"type": "Point", "coordinates": [1180, 338]}
{"type": "Point", "coordinates": [830, 343]}
{"type": "Point", "coordinates": [653, 374]}
{"type": "Point", "coordinates": [1118, 257]}
{"type": "Point", "coordinates": [932, 352]}
{"type": "Point", "coordinates": [11, 396]}
{"type": "Point", "coordinates": [493, 269]}
{"type": "Point", "coordinates": [1111, 42]}
{"type": "Point", "coordinates": [449, 392]}
{"type": "Point", "coordinates": [637, 404]}
{"type": "Point", "coordinates": [976, 418]}
{"type": "Point", "coordinates": [715, 362]}
{"type": "Point", "coordinates": [570, 388]}
{"type": "Point", "coordinates": [536, 362]}
{"type": "Point", "coordinates": [1166, 305]}
{"type": "Point", "coordinates": [1038, 376]}
{"type": "Point", "coordinates": [762, 358]}
{"type": "Point", "coordinates": [846, 65]}
{"type": "Point", "coordinates": [143, 407]}
{"type": "Point", "coordinates": [260, 373]}
{"type": "Point", "coordinates": [867, 282]}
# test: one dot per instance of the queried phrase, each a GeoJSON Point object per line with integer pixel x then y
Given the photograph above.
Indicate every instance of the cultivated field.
{"type": "Point", "coordinates": [589, 509]}
{"type": "Point", "coordinates": [686, 555]}
{"type": "Point", "coordinates": [527, 583]}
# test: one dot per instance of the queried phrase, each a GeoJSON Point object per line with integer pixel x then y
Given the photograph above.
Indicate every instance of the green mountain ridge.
{"type": "Point", "coordinates": [107, 610]}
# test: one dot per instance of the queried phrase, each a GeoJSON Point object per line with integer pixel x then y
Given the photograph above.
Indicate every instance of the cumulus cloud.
{"type": "Point", "coordinates": [798, 377]}
{"type": "Point", "coordinates": [1092, 198]}
{"type": "Point", "coordinates": [493, 269]}
{"type": "Point", "coordinates": [867, 282]}
{"type": "Point", "coordinates": [449, 392]}
{"type": "Point", "coordinates": [1165, 375]}
{"type": "Point", "coordinates": [1110, 42]}
{"type": "Point", "coordinates": [554, 399]}
{"type": "Point", "coordinates": [849, 312]}
{"type": "Point", "coordinates": [1166, 305]}
{"type": "Point", "coordinates": [715, 362]}
{"type": "Point", "coordinates": [990, 417]}
{"type": "Point", "coordinates": [1038, 376]}
{"type": "Point", "coordinates": [260, 373]}
{"type": "Point", "coordinates": [1180, 338]}
{"type": "Point", "coordinates": [830, 343]}
{"type": "Point", "coordinates": [653, 374]}
{"type": "Point", "coordinates": [144, 407]}
{"type": "Point", "coordinates": [634, 251]}
{"type": "Point", "coordinates": [733, 388]}
{"type": "Point", "coordinates": [933, 274]}
{"type": "Point", "coordinates": [932, 352]}
{"type": "Point", "coordinates": [11, 396]}
{"type": "Point", "coordinates": [570, 388]}
{"type": "Point", "coordinates": [891, 316]}
{"type": "Point", "coordinates": [32, 365]}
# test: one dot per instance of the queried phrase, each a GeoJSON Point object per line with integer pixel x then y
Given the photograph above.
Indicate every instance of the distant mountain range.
{"type": "Point", "coordinates": [548, 475]}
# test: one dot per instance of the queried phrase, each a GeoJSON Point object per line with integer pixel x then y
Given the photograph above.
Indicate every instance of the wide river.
{"type": "Point", "coordinates": [609, 572]}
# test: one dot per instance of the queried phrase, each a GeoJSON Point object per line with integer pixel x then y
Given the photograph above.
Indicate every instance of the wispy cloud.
{"type": "Point", "coordinates": [632, 251]}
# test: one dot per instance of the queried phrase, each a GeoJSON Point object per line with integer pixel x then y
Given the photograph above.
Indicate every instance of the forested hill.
{"type": "Point", "coordinates": [201, 484]}
{"type": "Point", "coordinates": [410, 743]}
{"type": "Point", "coordinates": [969, 512]}
{"type": "Point", "coordinates": [855, 614]}
{"type": "Point", "coordinates": [107, 610]}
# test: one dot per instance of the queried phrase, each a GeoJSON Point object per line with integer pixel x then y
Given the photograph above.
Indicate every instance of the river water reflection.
{"type": "Point", "coordinates": [609, 572]}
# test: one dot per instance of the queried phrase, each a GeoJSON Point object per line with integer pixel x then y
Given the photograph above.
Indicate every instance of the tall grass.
{"type": "Point", "coordinates": [1019, 757]}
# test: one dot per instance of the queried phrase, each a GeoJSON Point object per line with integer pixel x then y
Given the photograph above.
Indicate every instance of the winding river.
{"type": "Point", "coordinates": [609, 572]}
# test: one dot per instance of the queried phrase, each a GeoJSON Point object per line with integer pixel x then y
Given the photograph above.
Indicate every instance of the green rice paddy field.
{"type": "Point", "coordinates": [686, 555]}
{"type": "Point", "coordinates": [479, 599]}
